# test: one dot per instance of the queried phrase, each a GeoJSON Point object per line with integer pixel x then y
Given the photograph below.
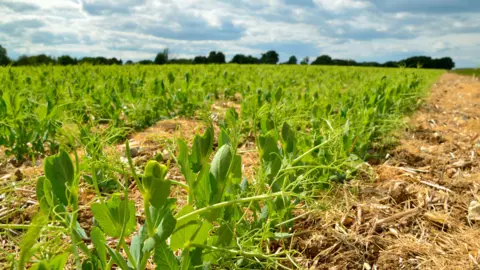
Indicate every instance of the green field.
{"type": "Point", "coordinates": [468, 71]}
{"type": "Point", "coordinates": [312, 127]}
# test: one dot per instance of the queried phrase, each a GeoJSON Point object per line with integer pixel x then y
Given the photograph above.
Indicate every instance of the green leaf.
{"type": "Point", "coordinates": [268, 147]}
{"type": "Point", "coordinates": [44, 194]}
{"type": "Point", "coordinates": [110, 216]}
{"type": "Point", "coordinates": [164, 257]}
{"type": "Point", "coordinates": [191, 229]}
{"type": "Point", "coordinates": [117, 258]}
{"type": "Point", "coordinates": [237, 169]}
{"type": "Point", "coordinates": [136, 245]}
{"type": "Point", "coordinates": [98, 240]}
{"type": "Point", "coordinates": [58, 263]}
{"type": "Point", "coordinates": [157, 188]}
{"type": "Point", "coordinates": [219, 171]}
{"type": "Point", "coordinates": [196, 259]}
{"type": "Point", "coordinates": [224, 235]}
{"type": "Point", "coordinates": [166, 227]}
{"type": "Point", "coordinates": [288, 137]}
{"type": "Point", "coordinates": [59, 170]}
{"type": "Point", "coordinates": [202, 189]}
{"type": "Point", "coordinates": [184, 162]}
{"type": "Point", "coordinates": [201, 149]}
{"type": "Point", "coordinates": [223, 138]}
{"type": "Point", "coordinates": [30, 238]}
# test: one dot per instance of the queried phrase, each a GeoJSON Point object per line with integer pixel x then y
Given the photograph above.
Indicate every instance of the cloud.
{"type": "Point", "coordinates": [18, 27]}
{"type": "Point", "coordinates": [341, 5]}
{"type": "Point", "coordinates": [47, 38]}
{"type": "Point", "coordinates": [95, 7]}
{"type": "Point", "coordinates": [428, 6]}
{"type": "Point", "coordinates": [19, 6]}
{"type": "Point", "coordinates": [365, 30]}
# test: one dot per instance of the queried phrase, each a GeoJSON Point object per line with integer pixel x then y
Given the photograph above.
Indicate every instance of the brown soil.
{"type": "Point", "coordinates": [415, 214]}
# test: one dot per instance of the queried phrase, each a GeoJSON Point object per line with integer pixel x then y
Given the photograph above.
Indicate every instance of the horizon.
{"type": "Point", "coordinates": [361, 30]}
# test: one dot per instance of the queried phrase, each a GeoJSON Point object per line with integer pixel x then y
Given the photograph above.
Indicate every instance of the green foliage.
{"type": "Point", "coordinates": [311, 127]}
{"type": "Point", "coordinates": [156, 187]}
{"type": "Point", "coordinates": [113, 217]}
{"type": "Point", "coordinates": [60, 172]}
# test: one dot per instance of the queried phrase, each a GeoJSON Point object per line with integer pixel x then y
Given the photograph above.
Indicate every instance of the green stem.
{"type": "Point", "coordinates": [311, 167]}
{"type": "Point", "coordinates": [127, 251]}
{"type": "Point", "coordinates": [228, 203]}
{"type": "Point", "coordinates": [148, 218]}
{"type": "Point", "coordinates": [185, 186]}
{"type": "Point", "coordinates": [132, 168]}
{"type": "Point", "coordinates": [309, 151]}
{"type": "Point", "coordinates": [25, 227]}
{"type": "Point", "coordinates": [95, 181]}
{"type": "Point", "coordinates": [143, 263]}
{"type": "Point", "coordinates": [236, 252]}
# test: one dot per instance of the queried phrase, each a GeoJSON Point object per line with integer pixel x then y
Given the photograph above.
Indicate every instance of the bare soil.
{"type": "Point", "coordinates": [421, 210]}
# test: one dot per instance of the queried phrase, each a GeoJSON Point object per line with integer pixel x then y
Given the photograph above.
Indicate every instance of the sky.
{"type": "Point", "coordinates": [363, 30]}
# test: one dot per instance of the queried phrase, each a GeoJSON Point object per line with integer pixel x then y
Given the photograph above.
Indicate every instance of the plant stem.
{"type": "Point", "coordinates": [309, 151]}
{"type": "Point", "coordinates": [143, 263]}
{"type": "Point", "coordinates": [185, 186]}
{"type": "Point", "coordinates": [228, 203]}
{"type": "Point", "coordinates": [127, 251]}
{"type": "Point", "coordinates": [25, 227]}
{"type": "Point", "coordinates": [148, 218]}
{"type": "Point", "coordinates": [236, 252]}
{"type": "Point", "coordinates": [132, 168]}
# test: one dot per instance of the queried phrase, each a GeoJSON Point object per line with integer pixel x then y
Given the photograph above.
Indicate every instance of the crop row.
{"type": "Point", "coordinates": [311, 126]}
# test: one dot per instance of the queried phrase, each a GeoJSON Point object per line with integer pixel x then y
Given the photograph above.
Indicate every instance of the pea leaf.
{"type": "Point", "coordinates": [191, 229]}
{"type": "Point", "coordinates": [136, 245]}
{"type": "Point", "coordinates": [30, 238]}
{"type": "Point", "coordinates": [164, 257]}
{"type": "Point", "coordinates": [117, 258]}
{"type": "Point", "coordinates": [111, 215]}
{"type": "Point", "coordinates": [59, 170]}
{"type": "Point", "coordinates": [223, 138]}
{"type": "Point", "coordinates": [219, 172]}
{"type": "Point", "coordinates": [98, 240]}
{"type": "Point", "coordinates": [201, 149]}
{"type": "Point", "coordinates": [155, 184]}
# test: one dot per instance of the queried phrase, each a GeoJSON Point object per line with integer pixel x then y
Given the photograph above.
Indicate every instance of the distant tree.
{"type": "Point", "coordinates": [216, 58]}
{"type": "Point", "coordinates": [305, 61]}
{"type": "Point", "coordinates": [180, 61]}
{"type": "Point", "coordinates": [270, 57]}
{"type": "Point", "coordinates": [200, 60]}
{"type": "Point", "coordinates": [390, 64]}
{"type": "Point", "coordinates": [4, 60]}
{"type": "Point", "coordinates": [292, 60]}
{"type": "Point", "coordinates": [34, 60]}
{"type": "Point", "coordinates": [242, 59]}
{"type": "Point", "coordinates": [220, 58]}
{"type": "Point", "coordinates": [161, 58]}
{"type": "Point", "coordinates": [129, 62]}
{"type": "Point", "coordinates": [145, 62]}
{"type": "Point", "coordinates": [323, 60]}
{"type": "Point", "coordinates": [66, 60]}
{"type": "Point", "coordinates": [445, 63]}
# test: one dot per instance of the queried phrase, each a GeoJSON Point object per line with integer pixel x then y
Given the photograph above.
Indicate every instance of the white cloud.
{"type": "Point", "coordinates": [340, 5]}
{"type": "Point", "coordinates": [137, 29]}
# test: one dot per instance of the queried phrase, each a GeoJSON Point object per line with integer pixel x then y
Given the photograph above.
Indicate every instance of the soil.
{"type": "Point", "coordinates": [421, 210]}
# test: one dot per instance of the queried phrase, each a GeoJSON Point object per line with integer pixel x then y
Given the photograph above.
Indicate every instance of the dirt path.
{"type": "Point", "coordinates": [416, 214]}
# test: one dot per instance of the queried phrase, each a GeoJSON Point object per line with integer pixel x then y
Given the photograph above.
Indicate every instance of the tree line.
{"type": "Point", "coordinates": [216, 57]}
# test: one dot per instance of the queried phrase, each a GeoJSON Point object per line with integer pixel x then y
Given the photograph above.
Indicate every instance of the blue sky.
{"type": "Point", "coordinates": [364, 30]}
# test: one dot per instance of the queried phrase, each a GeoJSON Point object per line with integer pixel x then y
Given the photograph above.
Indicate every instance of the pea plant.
{"type": "Point", "coordinates": [204, 232]}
